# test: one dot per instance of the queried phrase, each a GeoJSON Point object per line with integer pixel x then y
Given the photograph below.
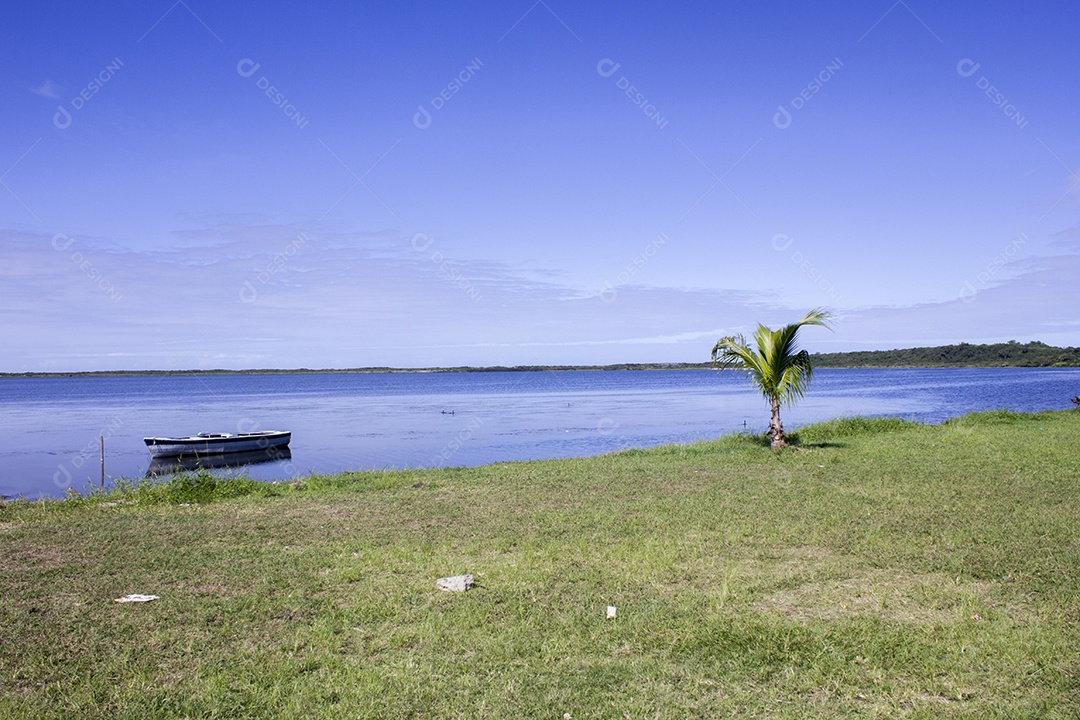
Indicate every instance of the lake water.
{"type": "Point", "coordinates": [50, 427]}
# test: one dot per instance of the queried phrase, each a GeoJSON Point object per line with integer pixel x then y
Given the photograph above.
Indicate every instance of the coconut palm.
{"type": "Point", "coordinates": [777, 368]}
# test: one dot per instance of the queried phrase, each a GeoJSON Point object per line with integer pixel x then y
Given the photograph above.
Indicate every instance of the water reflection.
{"type": "Point", "coordinates": [169, 465]}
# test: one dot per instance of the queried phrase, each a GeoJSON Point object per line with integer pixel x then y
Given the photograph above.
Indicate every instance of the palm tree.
{"type": "Point", "coordinates": [777, 367]}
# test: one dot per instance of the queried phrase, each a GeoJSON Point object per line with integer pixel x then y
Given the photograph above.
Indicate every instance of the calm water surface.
{"type": "Point", "coordinates": [50, 427]}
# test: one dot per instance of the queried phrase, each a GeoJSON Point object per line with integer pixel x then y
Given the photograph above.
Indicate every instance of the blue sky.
{"type": "Point", "coordinates": [187, 184]}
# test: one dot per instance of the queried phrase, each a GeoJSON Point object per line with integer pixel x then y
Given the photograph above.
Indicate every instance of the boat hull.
{"type": "Point", "coordinates": [217, 443]}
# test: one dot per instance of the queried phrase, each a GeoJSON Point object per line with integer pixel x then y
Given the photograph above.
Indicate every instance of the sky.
{"type": "Point", "coordinates": [193, 185]}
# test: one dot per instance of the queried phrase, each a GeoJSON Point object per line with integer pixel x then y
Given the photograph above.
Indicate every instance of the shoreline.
{"type": "Point", "coordinates": [799, 435]}
{"type": "Point", "coordinates": [496, 368]}
{"type": "Point", "coordinates": [364, 370]}
{"type": "Point", "coordinates": [1033, 354]}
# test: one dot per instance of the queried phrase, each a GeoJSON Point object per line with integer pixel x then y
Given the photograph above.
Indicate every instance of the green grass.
{"type": "Point", "coordinates": [876, 569]}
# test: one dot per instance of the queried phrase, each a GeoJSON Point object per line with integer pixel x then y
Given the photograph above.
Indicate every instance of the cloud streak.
{"type": "Point", "coordinates": [48, 89]}
{"type": "Point", "coordinates": [339, 300]}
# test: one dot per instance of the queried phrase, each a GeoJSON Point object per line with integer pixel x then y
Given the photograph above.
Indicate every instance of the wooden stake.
{"type": "Point", "coordinates": [102, 461]}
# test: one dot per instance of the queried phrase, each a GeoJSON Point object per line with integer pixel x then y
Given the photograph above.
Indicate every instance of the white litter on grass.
{"type": "Point", "coordinates": [456, 583]}
{"type": "Point", "coordinates": [611, 611]}
{"type": "Point", "coordinates": [136, 598]}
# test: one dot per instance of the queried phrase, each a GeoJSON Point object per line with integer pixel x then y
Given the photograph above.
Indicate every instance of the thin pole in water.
{"type": "Point", "coordinates": [102, 461]}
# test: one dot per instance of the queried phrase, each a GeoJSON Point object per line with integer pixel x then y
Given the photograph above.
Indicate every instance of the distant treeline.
{"type": "Point", "coordinates": [333, 371]}
{"type": "Point", "coordinates": [1010, 354]}
{"type": "Point", "coordinates": [542, 368]}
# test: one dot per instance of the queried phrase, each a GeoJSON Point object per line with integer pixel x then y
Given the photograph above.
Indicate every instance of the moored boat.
{"type": "Point", "coordinates": [217, 443]}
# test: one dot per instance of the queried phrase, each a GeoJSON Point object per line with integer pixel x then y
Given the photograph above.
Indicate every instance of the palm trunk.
{"type": "Point", "coordinates": [776, 428]}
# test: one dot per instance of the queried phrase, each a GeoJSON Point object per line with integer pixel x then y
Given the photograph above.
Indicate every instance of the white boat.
{"type": "Point", "coordinates": [217, 443]}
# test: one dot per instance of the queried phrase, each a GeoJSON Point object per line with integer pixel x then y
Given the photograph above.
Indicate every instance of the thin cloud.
{"type": "Point", "coordinates": [341, 300]}
{"type": "Point", "coordinates": [48, 89]}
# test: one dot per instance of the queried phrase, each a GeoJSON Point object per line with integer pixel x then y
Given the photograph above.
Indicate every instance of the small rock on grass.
{"type": "Point", "coordinates": [455, 583]}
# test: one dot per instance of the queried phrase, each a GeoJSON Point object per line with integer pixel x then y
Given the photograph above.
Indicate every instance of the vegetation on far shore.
{"type": "Point", "coordinates": [876, 568]}
{"type": "Point", "coordinates": [1011, 354]}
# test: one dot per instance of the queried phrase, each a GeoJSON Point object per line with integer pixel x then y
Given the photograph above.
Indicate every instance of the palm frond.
{"type": "Point", "coordinates": [732, 352]}
{"type": "Point", "coordinates": [775, 366]}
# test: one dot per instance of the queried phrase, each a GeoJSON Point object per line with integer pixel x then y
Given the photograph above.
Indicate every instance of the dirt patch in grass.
{"type": "Point", "coordinates": [35, 559]}
{"type": "Point", "coordinates": [891, 595]}
{"type": "Point", "coordinates": [793, 561]}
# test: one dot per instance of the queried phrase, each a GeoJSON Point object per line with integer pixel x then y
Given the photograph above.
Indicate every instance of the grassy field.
{"type": "Point", "coordinates": [878, 569]}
